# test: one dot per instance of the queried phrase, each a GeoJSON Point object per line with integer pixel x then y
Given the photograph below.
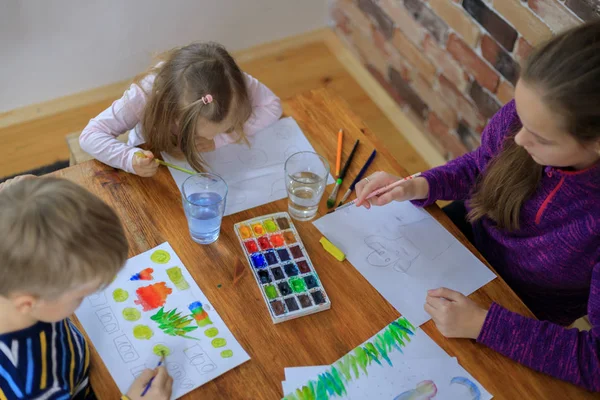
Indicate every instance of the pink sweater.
{"type": "Point", "coordinates": [99, 138]}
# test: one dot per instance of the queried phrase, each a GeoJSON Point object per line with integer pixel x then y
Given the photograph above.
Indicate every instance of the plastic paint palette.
{"type": "Point", "coordinates": [281, 266]}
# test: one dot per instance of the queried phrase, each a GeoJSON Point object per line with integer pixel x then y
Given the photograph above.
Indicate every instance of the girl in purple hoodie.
{"type": "Point", "coordinates": [529, 199]}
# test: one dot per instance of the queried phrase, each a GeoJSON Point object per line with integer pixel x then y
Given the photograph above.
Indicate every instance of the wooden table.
{"type": "Point", "coordinates": [151, 211]}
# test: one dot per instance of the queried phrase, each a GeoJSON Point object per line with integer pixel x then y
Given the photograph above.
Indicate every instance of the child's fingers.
{"type": "Point", "coordinates": [161, 378]}
{"type": "Point", "coordinates": [139, 384]}
{"type": "Point", "coordinates": [382, 200]}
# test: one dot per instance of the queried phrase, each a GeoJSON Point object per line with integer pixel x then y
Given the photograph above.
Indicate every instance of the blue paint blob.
{"type": "Point", "coordinates": [291, 270]}
{"type": "Point", "coordinates": [271, 257]}
{"type": "Point", "coordinates": [310, 281]}
{"type": "Point", "coordinates": [258, 260]}
{"type": "Point", "coordinates": [284, 255]}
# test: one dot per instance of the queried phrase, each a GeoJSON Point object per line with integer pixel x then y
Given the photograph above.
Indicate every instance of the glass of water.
{"type": "Point", "coordinates": [204, 197]}
{"type": "Point", "coordinates": [305, 179]}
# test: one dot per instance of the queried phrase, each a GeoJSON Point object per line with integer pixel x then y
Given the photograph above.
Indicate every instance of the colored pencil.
{"type": "Point", "coordinates": [162, 359]}
{"type": "Point", "coordinates": [166, 164]}
{"type": "Point", "coordinates": [358, 177]}
{"type": "Point", "coordinates": [338, 183]}
{"type": "Point", "coordinates": [338, 161]}
{"type": "Point", "coordinates": [383, 190]}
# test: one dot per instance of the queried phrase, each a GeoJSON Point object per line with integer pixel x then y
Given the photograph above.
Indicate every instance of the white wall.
{"type": "Point", "coordinates": [52, 48]}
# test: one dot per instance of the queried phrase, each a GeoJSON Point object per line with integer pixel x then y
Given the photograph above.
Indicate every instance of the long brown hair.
{"type": "Point", "coordinates": [566, 72]}
{"type": "Point", "coordinates": [183, 76]}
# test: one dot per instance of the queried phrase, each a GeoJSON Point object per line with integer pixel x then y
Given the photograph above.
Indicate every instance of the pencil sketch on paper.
{"type": "Point", "coordinates": [398, 253]}
{"type": "Point", "coordinates": [125, 349]}
{"type": "Point", "coordinates": [108, 319]}
{"type": "Point", "coordinates": [199, 359]}
{"type": "Point", "coordinates": [253, 158]}
{"type": "Point", "coordinates": [97, 299]}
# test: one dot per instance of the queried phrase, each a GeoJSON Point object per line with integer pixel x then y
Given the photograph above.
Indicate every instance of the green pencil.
{"type": "Point", "coordinates": [166, 164]}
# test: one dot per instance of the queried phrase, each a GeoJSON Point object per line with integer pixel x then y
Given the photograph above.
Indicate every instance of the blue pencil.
{"type": "Point", "coordinates": [150, 381]}
{"type": "Point", "coordinates": [358, 177]}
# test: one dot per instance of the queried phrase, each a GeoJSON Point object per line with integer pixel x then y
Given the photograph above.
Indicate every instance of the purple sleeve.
{"type": "Point", "coordinates": [455, 179]}
{"type": "Point", "coordinates": [567, 354]}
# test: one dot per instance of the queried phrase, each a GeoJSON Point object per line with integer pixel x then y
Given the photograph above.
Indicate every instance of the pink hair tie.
{"type": "Point", "coordinates": [207, 99]}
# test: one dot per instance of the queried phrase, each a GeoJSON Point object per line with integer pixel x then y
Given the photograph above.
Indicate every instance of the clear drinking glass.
{"type": "Point", "coordinates": [305, 179]}
{"type": "Point", "coordinates": [204, 198]}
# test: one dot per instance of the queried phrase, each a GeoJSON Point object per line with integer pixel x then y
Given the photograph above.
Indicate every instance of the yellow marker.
{"type": "Point", "coordinates": [331, 249]}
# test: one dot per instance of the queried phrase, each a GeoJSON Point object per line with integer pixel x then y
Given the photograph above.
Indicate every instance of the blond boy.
{"type": "Point", "coordinates": [59, 244]}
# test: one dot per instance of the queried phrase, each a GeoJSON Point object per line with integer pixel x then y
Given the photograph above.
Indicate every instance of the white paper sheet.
{"type": "Point", "coordinates": [297, 376]}
{"type": "Point", "coordinates": [191, 362]}
{"type": "Point", "coordinates": [400, 374]}
{"type": "Point", "coordinates": [403, 252]}
{"type": "Point", "coordinates": [255, 174]}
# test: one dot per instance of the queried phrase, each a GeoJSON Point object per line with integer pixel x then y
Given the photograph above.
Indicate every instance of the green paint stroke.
{"type": "Point", "coordinates": [161, 350]}
{"type": "Point", "coordinates": [218, 342]}
{"type": "Point", "coordinates": [177, 278]}
{"type": "Point", "coordinates": [160, 257]}
{"type": "Point", "coordinates": [131, 314]}
{"type": "Point", "coordinates": [173, 323]}
{"type": "Point", "coordinates": [142, 332]}
{"type": "Point", "coordinates": [227, 353]}
{"type": "Point", "coordinates": [120, 295]}
{"type": "Point", "coordinates": [333, 382]}
{"type": "Point", "coordinates": [211, 332]}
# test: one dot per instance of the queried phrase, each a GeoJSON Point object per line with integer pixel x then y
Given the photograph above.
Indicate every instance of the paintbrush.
{"type": "Point", "coordinates": [338, 160]}
{"type": "Point", "coordinates": [166, 164]}
{"type": "Point", "coordinates": [338, 183]}
{"type": "Point", "coordinates": [162, 360]}
{"type": "Point", "coordinates": [358, 177]}
{"type": "Point", "coordinates": [382, 190]}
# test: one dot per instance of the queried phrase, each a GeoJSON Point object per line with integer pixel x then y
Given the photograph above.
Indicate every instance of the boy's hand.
{"type": "Point", "coordinates": [205, 145]}
{"type": "Point", "coordinates": [143, 164]}
{"type": "Point", "coordinates": [15, 180]}
{"type": "Point", "coordinates": [160, 389]}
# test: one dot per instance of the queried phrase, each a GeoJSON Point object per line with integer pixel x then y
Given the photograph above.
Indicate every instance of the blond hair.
{"type": "Point", "coordinates": [183, 77]}
{"type": "Point", "coordinates": [55, 236]}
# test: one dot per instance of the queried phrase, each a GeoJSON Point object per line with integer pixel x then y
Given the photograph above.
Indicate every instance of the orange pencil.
{"type": "Point", "coordinates": [338, 162]}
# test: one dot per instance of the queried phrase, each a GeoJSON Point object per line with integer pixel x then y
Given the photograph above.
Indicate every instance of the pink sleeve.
{"type": "Point", "coordinates": [99, 138]}
{"type": "Point", "coordinates": [266, 109]}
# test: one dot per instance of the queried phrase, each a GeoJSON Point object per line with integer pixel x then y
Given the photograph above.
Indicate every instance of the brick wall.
{"type": "Point", "coordinates": [451, 64]}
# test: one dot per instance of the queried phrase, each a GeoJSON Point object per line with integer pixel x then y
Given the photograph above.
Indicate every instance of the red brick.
{"type": "Point", "coordinates": [444, 61]}
{"type": "Point", "coordinates": [451, 144]}
{"type": "Point", "coordinates": [499, 58]}
{"type": "Point", "coordinates": [486, 102]}
{"type": "Point", "coordinates": [587, 10]}
{"type": "Point", "coordinates": [383, 21]}
{"type": "Point", "coordinates": [414, 56]}
{"type": "Point", "coordinates": [472, 63]}
{"type": "Point", "coordinates": [407, 93]}
{"type": "Point", "coordinates": [379, 41]}
{"type": "Point", "coordinates": [386, 85]}
{"type": "Point", "coordinates": [505, 34]}
{"type": "Point", "coordinates": [524, 20]}
{"type": "Point", "coordinates": [557, 16]}
{"type": "Point", "coordinates": [463, 106]}
{"type": "Point", "coordinates": [426, 17]}
{"type": "Point", "coordinates": [522, 50]}
{"type": "Point", "coordinates": [505, 92]}
{"type": "Point", "coordinates": [414, 31]}
{"type": "Point", "coordinates": [433, 99]}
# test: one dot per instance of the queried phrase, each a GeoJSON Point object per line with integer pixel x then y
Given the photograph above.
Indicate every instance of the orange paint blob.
{"type": "Point", "coordinates": [245, 232]}
{"type": "Point", "coordinates": [152, 296]}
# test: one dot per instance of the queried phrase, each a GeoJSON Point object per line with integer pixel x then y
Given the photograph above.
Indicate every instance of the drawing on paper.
{"type": "Point", "coordinates": [173, 323]}
{"type": "Point", "coordinates": [120, 295]}
{"type": "Point", "coordinates": [131, 314]}
{"type": "Point", "coordinates": [97, 299]}
{"type": "Point", "coordinates": [211, 332]}
{"type": "Point", "coordinates": [143, 275]}
{"type": "Point", "coordinates": [137, 371]}
{"type": "Point", "coordinates": [199, 359]}
{"type": "Point", "coordinates": [398, 253]}
{"type": "Point", "coordinates": [160, 257]}
{"type": "Point", "coordinates": [278, 189]}
{"type": "Point", "coordinates": [227, 354]}
{"type": "Point", "coordinates": [253, 158]}
{"type": "Point", "coordinates": [125, 349]}
{"type": "Point", "coordinates": [290, 151]}
{"type": "Point", "coordinates": [218, 342]}
{"type": "Point", "coordinates": [142, 332]}
{"type": "Point", "coordinates": [107, 319]}
{"type": "Point", "coordinates": [176, 277]}
{"type": "Point", "coordinates": [354, 364]}
{"type": "Point", "coordinates": [469, 384]}
{"type": "Point", "coordinates": [161, 350]}
{"type": "Point", "coordinates": [425, 390]}
{"type": "Point", "coordinates": [152, 296]}
{"type": "Point", "coordinates": [199, 314]}
{"type": "Point", "coordinates": [175, 370]}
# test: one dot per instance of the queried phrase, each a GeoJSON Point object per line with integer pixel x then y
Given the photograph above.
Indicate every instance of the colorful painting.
{"type": "Point", "coordinates": [154, 308]}
{"type": "Point", "coordinates": [399, 363]}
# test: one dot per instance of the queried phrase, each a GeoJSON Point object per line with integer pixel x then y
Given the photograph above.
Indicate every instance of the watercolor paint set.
{"type": "Point", "coordinates": [281, 266]}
